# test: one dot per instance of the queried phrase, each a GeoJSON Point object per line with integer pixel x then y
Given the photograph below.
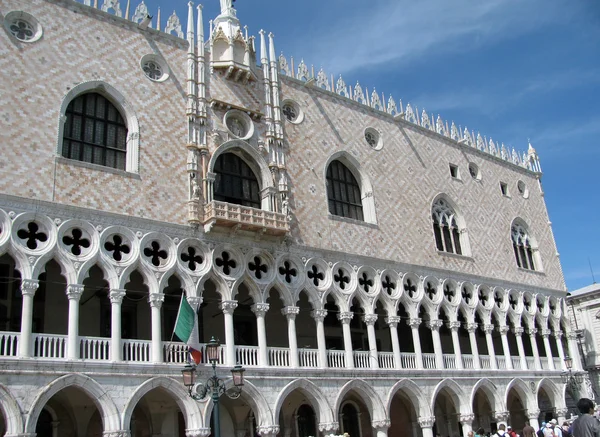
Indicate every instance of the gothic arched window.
{"type": "Point", "coordinates": [343, 192]}
{"type": "Point", "coordinates": [235, 181]}
{"type": "Point", "coordinates": [445, 228]}
{"type": "Point", "coordinates": [95, 132]}
{"type": "Point", "coordinates": [307, 425]}
{"type": "Point", "coordinates": [522, 247]}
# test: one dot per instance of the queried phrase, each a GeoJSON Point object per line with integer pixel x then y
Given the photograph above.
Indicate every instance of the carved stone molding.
{"type": "Point", "coordinates": [117, 295]}
{"type": "Point", "coordinates": [501, 416]}
{"type": "Point", "coordinates": [370, 319]}
{"type": "Point", "coordinates": [426, 421]}
{"type": "Point", "coordinates": [546, 333]}
{"type": "Point", "coordinates": [291, 312]}
{"type": "Point", "coordinates": [532, 331]}
{"type": "Point", "coordinates": [381, 424]}
{"type": "Point", "coordinates": [268, 430]}
{"type": "Point", "coordinates": [435, 324]}
{"type": "Point", "coordinates": [260, 309]}
{"type": "Point", "coordinates": [345, 317]}
{"type": "Point", "coordinates": [328, 428]}
{"type": "Point", "coordinates": [472, 327]}
{"type": "Point", "coordinates": [318, 315]}
{"type": "Point", "coordinates": [533, 414]}
{"type": "Point", "coordinates": [466, 419]}
{"type": "Point", "coordinates": [156, 299]}
{"type": "Point", "coordinates": [29, 286]}
{"type": "Point", "coordinates": [518, 331]}
{"type": "Point", "coordinates": [454, 326]}
{"type": "Point", "coordinates": [414, 323]}
{"type": "Point", "coordinates": [393, 321]}
{"type": "Point", "coordinates": [201, 432]}
{"type": "Point", "coordinates": [562, 412]}
{"type": "Point", "coordinates": [488, 329]}
{"type": "Point", "coordinates": [503, 329]}
{"type": "Point", "coordinates": [228, 306]}
{"type": "Point", "coordinates": [194, 301]}
{"type": "Point", "coordinates": [74, 291]}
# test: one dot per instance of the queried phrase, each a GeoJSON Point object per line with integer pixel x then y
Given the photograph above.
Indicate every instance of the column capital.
{"type": "Point", "coordinates": [466, 419]}
{"type": "Point", "coordinates": [120, 433]}
{"type": "Point", "coordinates": [194, 301]}
{"type": "Point", "coordinates": [546, 333]}
{"type": "Point", "coordinates": [472, 327]}
{"type": "Point", "coordinates": [414, 323]}
{"type": "Point", "coordinates": [117, 295]}
{"type": "Point", "coordinates": [426, 421]}
{"type": "Point", "coordinates": [319, 315]}
{"type": "Point", "coordinates": [200, 432]}
{"type": "Point", "coordinates": [228, 306]}
{"type": "Point", "coordinates": [488, 329]}
{"type": "Point", "coordinates": [393, 321]}
{"type": "Point", "coordinates": [533, 414]}
{"type": "Point", "coordinates": [381, 424]}
{"type": "Point", "coordinates": [156, 299]}
{"type": "Point", "coordinates": [501, 416]}
{"type": "Point", "coordinates": [503, 329]}
{"type": "Point", "coordinates": [260, 309]}
{"type": "Point", "coordinates": [74, 291]}
{"type": "Point", "coordinates": [434, 325]}
{"type": "Point", "coordinates": [518, 331]}
{"type": "Point", "coordinates": [29, 286]}
{"type": "Point", "coordinates": [562, 412]}
{"type": "Point", "coordinates": [328, 428]}
{"type": "Point", "coordinates": [370, 319]}
{"type": "Point", "coordinates": [290, 312]}
{"type": "Point", "coordinates": [345, 317]}
{"type": "Point", "coordinates": [532, 331]}
{"type": "Point", "coordinates": [454, 326]}
{"type": "Point", "coordinates": [558, 334]}
{"type": "Point", "coordinates": [572, 335]}
{"type": "Point", "coordinates": [268, 430]}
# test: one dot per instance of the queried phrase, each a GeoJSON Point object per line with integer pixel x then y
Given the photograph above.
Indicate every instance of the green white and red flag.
{"type": "Point", "coordinates": [186, 329]}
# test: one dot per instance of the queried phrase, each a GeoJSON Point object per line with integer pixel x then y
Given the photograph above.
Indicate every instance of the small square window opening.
{"type": "Point", "coordinates": [504, 188]}
{"type": "Point", "coordinates": [454, 171]}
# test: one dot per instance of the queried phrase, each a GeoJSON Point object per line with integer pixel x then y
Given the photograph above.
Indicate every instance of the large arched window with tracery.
{"type": "Point", "coordinates": [235, 181]}
{"type": "Point", "coordinates": [523, 248]}
{"type": "Point", "coordinates": [95, 132]}
{"type": "Point", "coordinates": [445, 228]}
{"type": "Point", "coordinates": [343, 192]}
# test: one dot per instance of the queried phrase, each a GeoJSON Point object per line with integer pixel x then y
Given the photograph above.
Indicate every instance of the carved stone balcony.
{"type": "Point", "coordinates": [241, 217]}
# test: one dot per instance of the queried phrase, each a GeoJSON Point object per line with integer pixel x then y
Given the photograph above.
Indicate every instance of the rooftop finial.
{"type": "Point", "coordinates": [227, 7]}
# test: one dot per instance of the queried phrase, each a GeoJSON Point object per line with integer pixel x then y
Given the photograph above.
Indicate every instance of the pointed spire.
{"type": "Point", "coordinates": [158, 20]}
{"type": "Point", "coordinates": [263, 48]}
{"type": "Point", "coordinates": [127, 10]}
{"type": "Point", "coordinates": [190, 27]}
{"type": "Point", "coordinates": [272, 56]}
{"type": "Point", "coordinates": [200, 26]}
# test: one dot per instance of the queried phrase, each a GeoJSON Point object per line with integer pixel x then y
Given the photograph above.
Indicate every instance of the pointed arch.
{"type": "Point", "coordinates": [491, 392]}
{"type": "Point", "coordinates": [149, 279]}
{"type": "Point", "coordinates": [417, 398]}
{"type": "Point", "coordinates": [317, 400]}
{"type": "Point", "coordinates": [449, 226]}
{"type": "Point", "coordinates": [362, 179]}
{"type": "Point", "coordinates": [98, 394]}
{"type": "Point", "coordinates": [525, 246]}
{"type": "Point", "coordinates": [12, 412]}
{"type": "Point", "coordinates": [557, 396]}
{"type": "Point", "coordinates": [253, 397]}
{"type": "Point", "coordinates": [369, 396]}
{"type": "Point", "coordinates": [456, 394]}
{"type": "Point", "coordinates": [188, 406]}
{"type": "Point", "coordinates": [524, 392]}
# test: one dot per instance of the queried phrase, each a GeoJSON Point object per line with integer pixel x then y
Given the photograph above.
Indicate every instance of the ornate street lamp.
{"type": "Point", "coordinates": [572, 379]}
{"type": "Point", "coordinates": [214, 385]}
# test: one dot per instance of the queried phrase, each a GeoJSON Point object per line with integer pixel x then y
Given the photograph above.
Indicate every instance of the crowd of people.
{"type": "Point", "coordinates": [586, 425]}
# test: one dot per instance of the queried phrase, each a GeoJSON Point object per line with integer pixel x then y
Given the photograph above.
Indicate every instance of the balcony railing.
{"type": "Point", "coordinates": [54, 347]}
{"type": "Point", "coordinates": [244, 217]}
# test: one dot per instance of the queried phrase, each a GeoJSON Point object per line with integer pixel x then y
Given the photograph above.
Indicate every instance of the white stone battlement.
{"type": "Point", "coordinates": [528, 160]}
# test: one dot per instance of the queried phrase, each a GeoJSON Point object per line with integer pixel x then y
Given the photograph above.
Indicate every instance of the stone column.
{"type": "Point", "coordinates": [471, 328]}
{"type": "Point", "coordinates": [260, 309]}
{"type": "Point", "coordinates": [574, 351]}
{"type": "Point", "coordinates": [534, 348]}
{"type": "Point", "coordinates": [454, 326]}
{"type": "Point", "coordinates": [414, 326]}
{"type": "Point", "coordinates": [370, 320]}
{"type": "Point", "coordinates": [532, 416]}
{"type": "Point", "coordinates": [290, 313]}
{"type": "Point", "coordinates": [319, 316]}
{"type": "Point", "coordinates": [507, 358]}
{"type": "Point", "coordinates": [488, 329]}
{"type": "Point", "coordinates": [28, 288]}
{"type": "Point", "coordinates": [435, 326]}
{"type": "Point", "coordinates": [156, 300]}
{"type": "Point", "coordinates": [381, 427]}
{"type": "Point", "coordinates": [392, 322]}
{"type": "Point", "coordinates": [518, 331]}
{"type": "Point", "coordinates": [228, 307]}
{"type": "Point", "coordinates": [427, 425]}
{"type": "Point", "coordinates": [561, 415]}
{"type": "Point", "coordinates": [116, 299]}
{"type": "Point", "coordinates": [345, 318]}
{"type": "Point", "coordinates": [559, 346]}
{"type": "Point", "coordinates": [502, 417]}
{"type": "Point", "coordinates": [546, 336]}
{"type": "Point", "coordinates": [466, 420]}
{"type": "Point", "coordinates": [74, 292]}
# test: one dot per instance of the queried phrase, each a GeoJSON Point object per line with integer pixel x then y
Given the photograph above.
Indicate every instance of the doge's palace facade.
{"type": "Point", "coordinates": [376, 270]}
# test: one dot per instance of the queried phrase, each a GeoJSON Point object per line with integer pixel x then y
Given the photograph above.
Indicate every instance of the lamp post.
{"type": "Point", "coordinates": [214, 385]}
{"type": "Point", "coordinates": [572, 379]}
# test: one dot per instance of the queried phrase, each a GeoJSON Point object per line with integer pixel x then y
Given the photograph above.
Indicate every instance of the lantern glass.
{"type": "Point", "coordinates": [189, 376]}
{"type": "Point", "coordinates": [212, 350]}
{"type": "Point", "coordinates": [237, 373]}
{"type": "Point", "coordinates": [568, 363]}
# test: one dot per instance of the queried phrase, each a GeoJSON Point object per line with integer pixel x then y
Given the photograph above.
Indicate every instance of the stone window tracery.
{"type": "Point", "coordinates": [153, 70]}
{"type": "Point", "coordinates": [343, 192]}
{"type": "Point", "coordinates": [522, 247]}
{"type": "Point", "coordinates": [95, 132]}
{"type": "Point", "coordinates": [23, 26]}
{"type": "Point", "coordinates": [235, 181]}
{"type": "Point", "coordinates": [445, 228]}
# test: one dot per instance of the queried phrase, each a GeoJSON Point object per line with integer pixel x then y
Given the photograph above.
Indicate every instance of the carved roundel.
{"type": "Point", "coordinates": [238, 124]}
{"type": "Point", "coordinates": [430, 288]}
{"type": "Point", "coordinates": [485, 297]}
{"type": "Point", "coordinates": [157, 250]}
{"type": "Point", "coordinates": [343, 277]}
{"type": "Point", "coordinates": [529, 303]}
{"type": "Point", "coordinates": [290, 271]}
{"type": "Point", "coordinates": [78, 239]}
{"type": "Point", "coordinates": [193, 256]}
{"type": "Point", "coordinates": [410, 287]}
{"type": "Point", "coordinates": [23, 26]}
{"type": "Point", "coordinates": [318, 274]}
{"type": "Point", "coordinates": [228, 262]}
{"type": "Point", "coordinates": [119, 245]}
{"type": "Point", "coordinates": [368, 280]}
{"type": "Point", "coordinates": [500, 300]}
{"type": "Point", "coordinates": [33, 233]}
{"type": "Point", "coordinates": [373, 138]}
{"type": "Point", "coordinates": [540, 303]}
{"type": "Point", "coordinates": [451, 293]}
{"type": "Point", "coordinates": [154, 67]}
{"type": "Point", "coordinates": [391, 285]}
{"type": "Point", "coordinates": [515, 303]}
{"type": "Point", "coordinates": [467, 294]}
{"type": "Point", "coordinates": [555, 307]}
{"type": "Point", "coordinates": [260, 266]}
{"type": "Point", "coordinates": [292, 111]}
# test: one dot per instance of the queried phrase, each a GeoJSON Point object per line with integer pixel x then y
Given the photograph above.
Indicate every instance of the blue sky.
{"type": "Point", "coordinates": [511, 69]}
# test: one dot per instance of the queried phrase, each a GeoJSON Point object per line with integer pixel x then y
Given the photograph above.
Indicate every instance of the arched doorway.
{"type": "Point", "coordinates": [483, 411]}
{"type": "Point", "coordinates": [446, 414]}
{"type": "Point", "coordinates": [404, 418]}
{"type": "Point", "coordinates": [517, 409]}
{"type": "Point", "coordinates": [157, 413]}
